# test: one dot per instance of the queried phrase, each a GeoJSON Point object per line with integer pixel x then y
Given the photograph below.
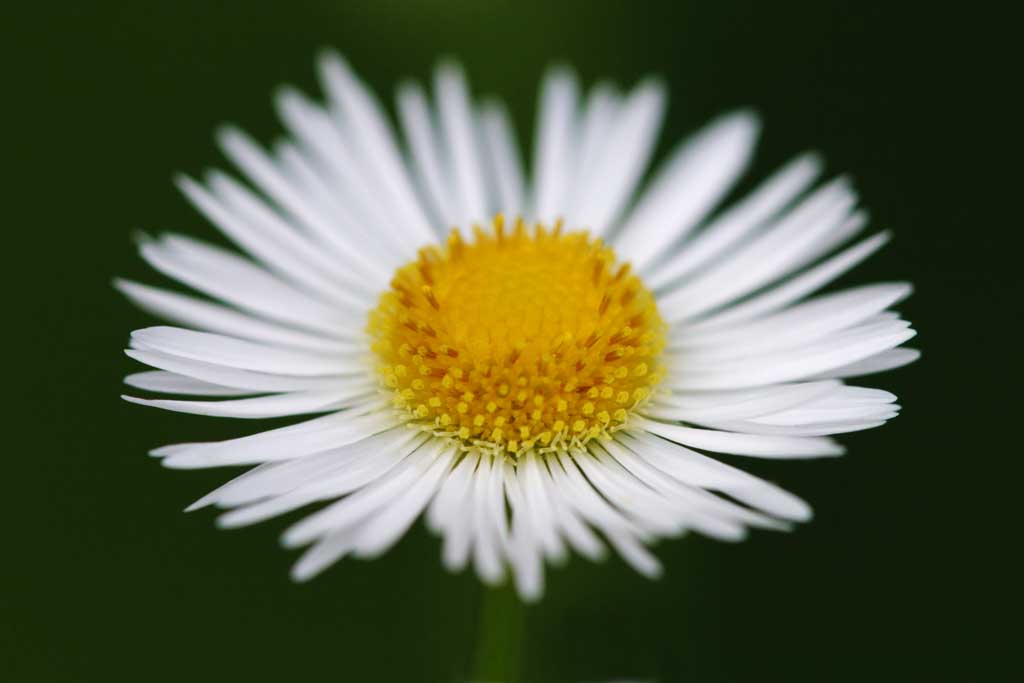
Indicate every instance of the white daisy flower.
{"type": "Point", "coordinates": [534, 385]}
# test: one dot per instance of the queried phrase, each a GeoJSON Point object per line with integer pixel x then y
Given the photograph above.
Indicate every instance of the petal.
{"type": "Point", "coordinates": [754, 445]}
{"type": "Point", "coordinates": [699, 470]}
{"type": "Point", "coordinates": [607, 184]}
{"type": "Point", "coordinates": [211, 317]}
{"type": "Point", "coordinates": [687, 187]}
{"type": "Point", "coordinates": [458, 531]}
{"type": "Point", "coordinates": [733, 224]}
{"type": "Point", "coordinates": [226, 276]}
{"type": "Point", "coordinates": [368, 129]}
{"type": "Point", "coordinates": [252, 225]}
{"type": "Point", "coordinates": [285, 443]}
{"type": "Point", "coordinates": [738, 404]}
{"type": "Point", "coordinates": [487, 487]}
{"type": "Point", "coordinates": [428, 162]}
{"type": "Point", "coordinates": [794, 327]}
{"type": "Point", "coordinates": [793, 364]}
{"type": "Point", "coordinates": [379, 533]}
{"type": "Point", "coordinates": [461, 139]}
{"type": "Point", "coordinates": [253, 382]}
{"type": "Point", "coordinates": [525, 553]}
{"type": "Point", "coordinates": [266, 175]}
{"type": "Point", "coordinates": [555, 146]}
{"type": "Point", "coordinates": [172, 383]}
{"type": "Point", "coordinates": [327, 191]}
{"type": "Point", "coordinates": [880, 362]}
{"type": "Point", "coordinates": [777, 252]}
{"type": "Point", "coordinates": [372, 477]}
{"type": "Point", "coordinates": [239, 353]}
{"type": "Point", "coordinates": [505, 167]}
{"type": "Point", "coordinates": [798, 287]}
{"type": "Point", "coordinates": [278, 405]}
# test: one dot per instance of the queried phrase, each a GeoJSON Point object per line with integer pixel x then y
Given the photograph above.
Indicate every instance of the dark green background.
{"type": "Point", "coordinates": [104, 579]}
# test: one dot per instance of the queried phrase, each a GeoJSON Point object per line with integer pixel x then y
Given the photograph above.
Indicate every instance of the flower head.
{"type": "Point", "coordinates": [538, 366]}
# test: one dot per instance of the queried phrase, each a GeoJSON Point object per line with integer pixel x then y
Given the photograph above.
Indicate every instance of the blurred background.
{"type": "Point", "coordinates": [105, 579]}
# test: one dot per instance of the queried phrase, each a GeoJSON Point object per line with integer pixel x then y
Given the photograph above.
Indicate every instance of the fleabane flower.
{"type": "Point", "coordinates": [536, 366]}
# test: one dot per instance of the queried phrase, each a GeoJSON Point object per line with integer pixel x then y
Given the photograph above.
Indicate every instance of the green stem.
{"type": "Point", "coordinates": [499, 643]}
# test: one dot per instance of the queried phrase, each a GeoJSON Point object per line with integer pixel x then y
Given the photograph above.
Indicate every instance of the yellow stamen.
{"type": "Point", "coordinates": [524, 332]}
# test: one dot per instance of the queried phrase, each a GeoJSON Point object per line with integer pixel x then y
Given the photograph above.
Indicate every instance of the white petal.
{"type": "Point", "coordinates": [740, 404]}
{"type": "Point", "coordinates": [285, 443]}
{"type": "Point", "coordinates": [743, 444]}
{"type": "Point", "coordinates": [374, 477]}
{"type": "Point", "coordinates": [793, 364]}
{"type": "Point", "coordinates": [699, 470]}
{"type": "Point", "coordinates": [794, 328]}
{"type": "Point", "coordinates": [368, 250]}
{"type": "Point", "coordinates": [671, 494]}
{"type": "Point", "coordinates": [335, 193]}
{"type": "Point", "coordinates": [687, 187]}
{"type": "Point", "coordinates": [278, 405]}
{"type": "Point", "coordinates": [506, 170]}
{"type": "Point", "coordinates": [461, 138]}
{"type": "Point", "coordinates": [849, 395]}
{"type": "Point", "coordinates": [798, 287]}
{"type": "Point", "coordinates": [806, 322]}
{"type": "Point", "coordinates": [381, 532]}
{"type": "Point", "coordinates": [234, 280]}
{"type": "Point", "coordinates": [266, 175]}
{"type": "Point", "coordinates": [369, 131]}
{"type": "Point", "coordinates": [326, 552]}
{"type": "Point", "coordinates": [360, 278]}
{"type": "Point", "coordinates": [430, 166]}
{"type": "Point", "coordinates": [254, 227]}
{"type": "Point", "coordinates": [886, 360]}
{"type": "Point", "coordinates": [213, 497]}
{"type": "Point", "coordinates": [826, 412]}
{"type": "Point", "coordinates": [738, 221]}
{"type": "Point", "coordinates": [525, 553]}
{"type": "Point", "coordinates": [606, 185]}
{"type": "Point", "coordinates": [778, 404]}
{"type": "Point", "coordinates": [579, 493]}
{"type": "Point", "coordinates": [853, 225]}
{"type": "Point", "coordinates": [629, 495]}
{"type": "Point", "coordinates": [622, 533]}
{"type": "Point", "coordinates": [278, 477]}
{"type": "Point", "coordinates": [448, 501]}
{"type": "Point", "coordinates": [536, 509]}
{"type": "Point", "coordinates": [486, 546]}
{"type": "Point", "coordinates": [173, 383]}
{"type": "Point", "coordinates": [776, 253]}
{"type": "Point", "coordinates": [816, 429]}
{"type": "Point", "coordinates": [555, 146]}
{"type": "Point", "coordinates": [238, 353]}
{"type": "Point", "coordinates": [637, 556]}
{"type": "Point", "coordinates": [253, 382]}
{"type": "Point", "coordinates": [578, 535]}
{"type": "Point", "coordinates": [458, 530]}
{"type": "Point", "coordinates": [211, 317]}
{"type": "Point", "coordinates": [696, 508]}
{"type": "Point", "coordinates": [599, 114]}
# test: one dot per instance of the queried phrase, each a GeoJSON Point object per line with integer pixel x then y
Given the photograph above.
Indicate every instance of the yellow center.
{"type": "Point", "coordinates": [534, 339]}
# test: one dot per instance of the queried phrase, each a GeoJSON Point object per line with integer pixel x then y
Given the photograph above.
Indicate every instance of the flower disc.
{"type": "Point", "coordinates": [533, 339]}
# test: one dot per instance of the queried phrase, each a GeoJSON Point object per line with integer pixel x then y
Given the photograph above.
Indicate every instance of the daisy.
{"type": "Point", "coordinates": [538, 365]}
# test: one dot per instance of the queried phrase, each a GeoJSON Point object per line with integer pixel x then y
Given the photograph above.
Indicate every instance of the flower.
{"type": "Point", "coordinates": [537, 366]}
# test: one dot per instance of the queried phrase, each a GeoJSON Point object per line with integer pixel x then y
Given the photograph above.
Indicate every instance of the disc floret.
{"type": "Point", "coordinates": [532, 338]}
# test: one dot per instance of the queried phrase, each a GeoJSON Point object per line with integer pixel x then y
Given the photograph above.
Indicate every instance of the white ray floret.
{"type": "Point", "coordinates": [755, 363]}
